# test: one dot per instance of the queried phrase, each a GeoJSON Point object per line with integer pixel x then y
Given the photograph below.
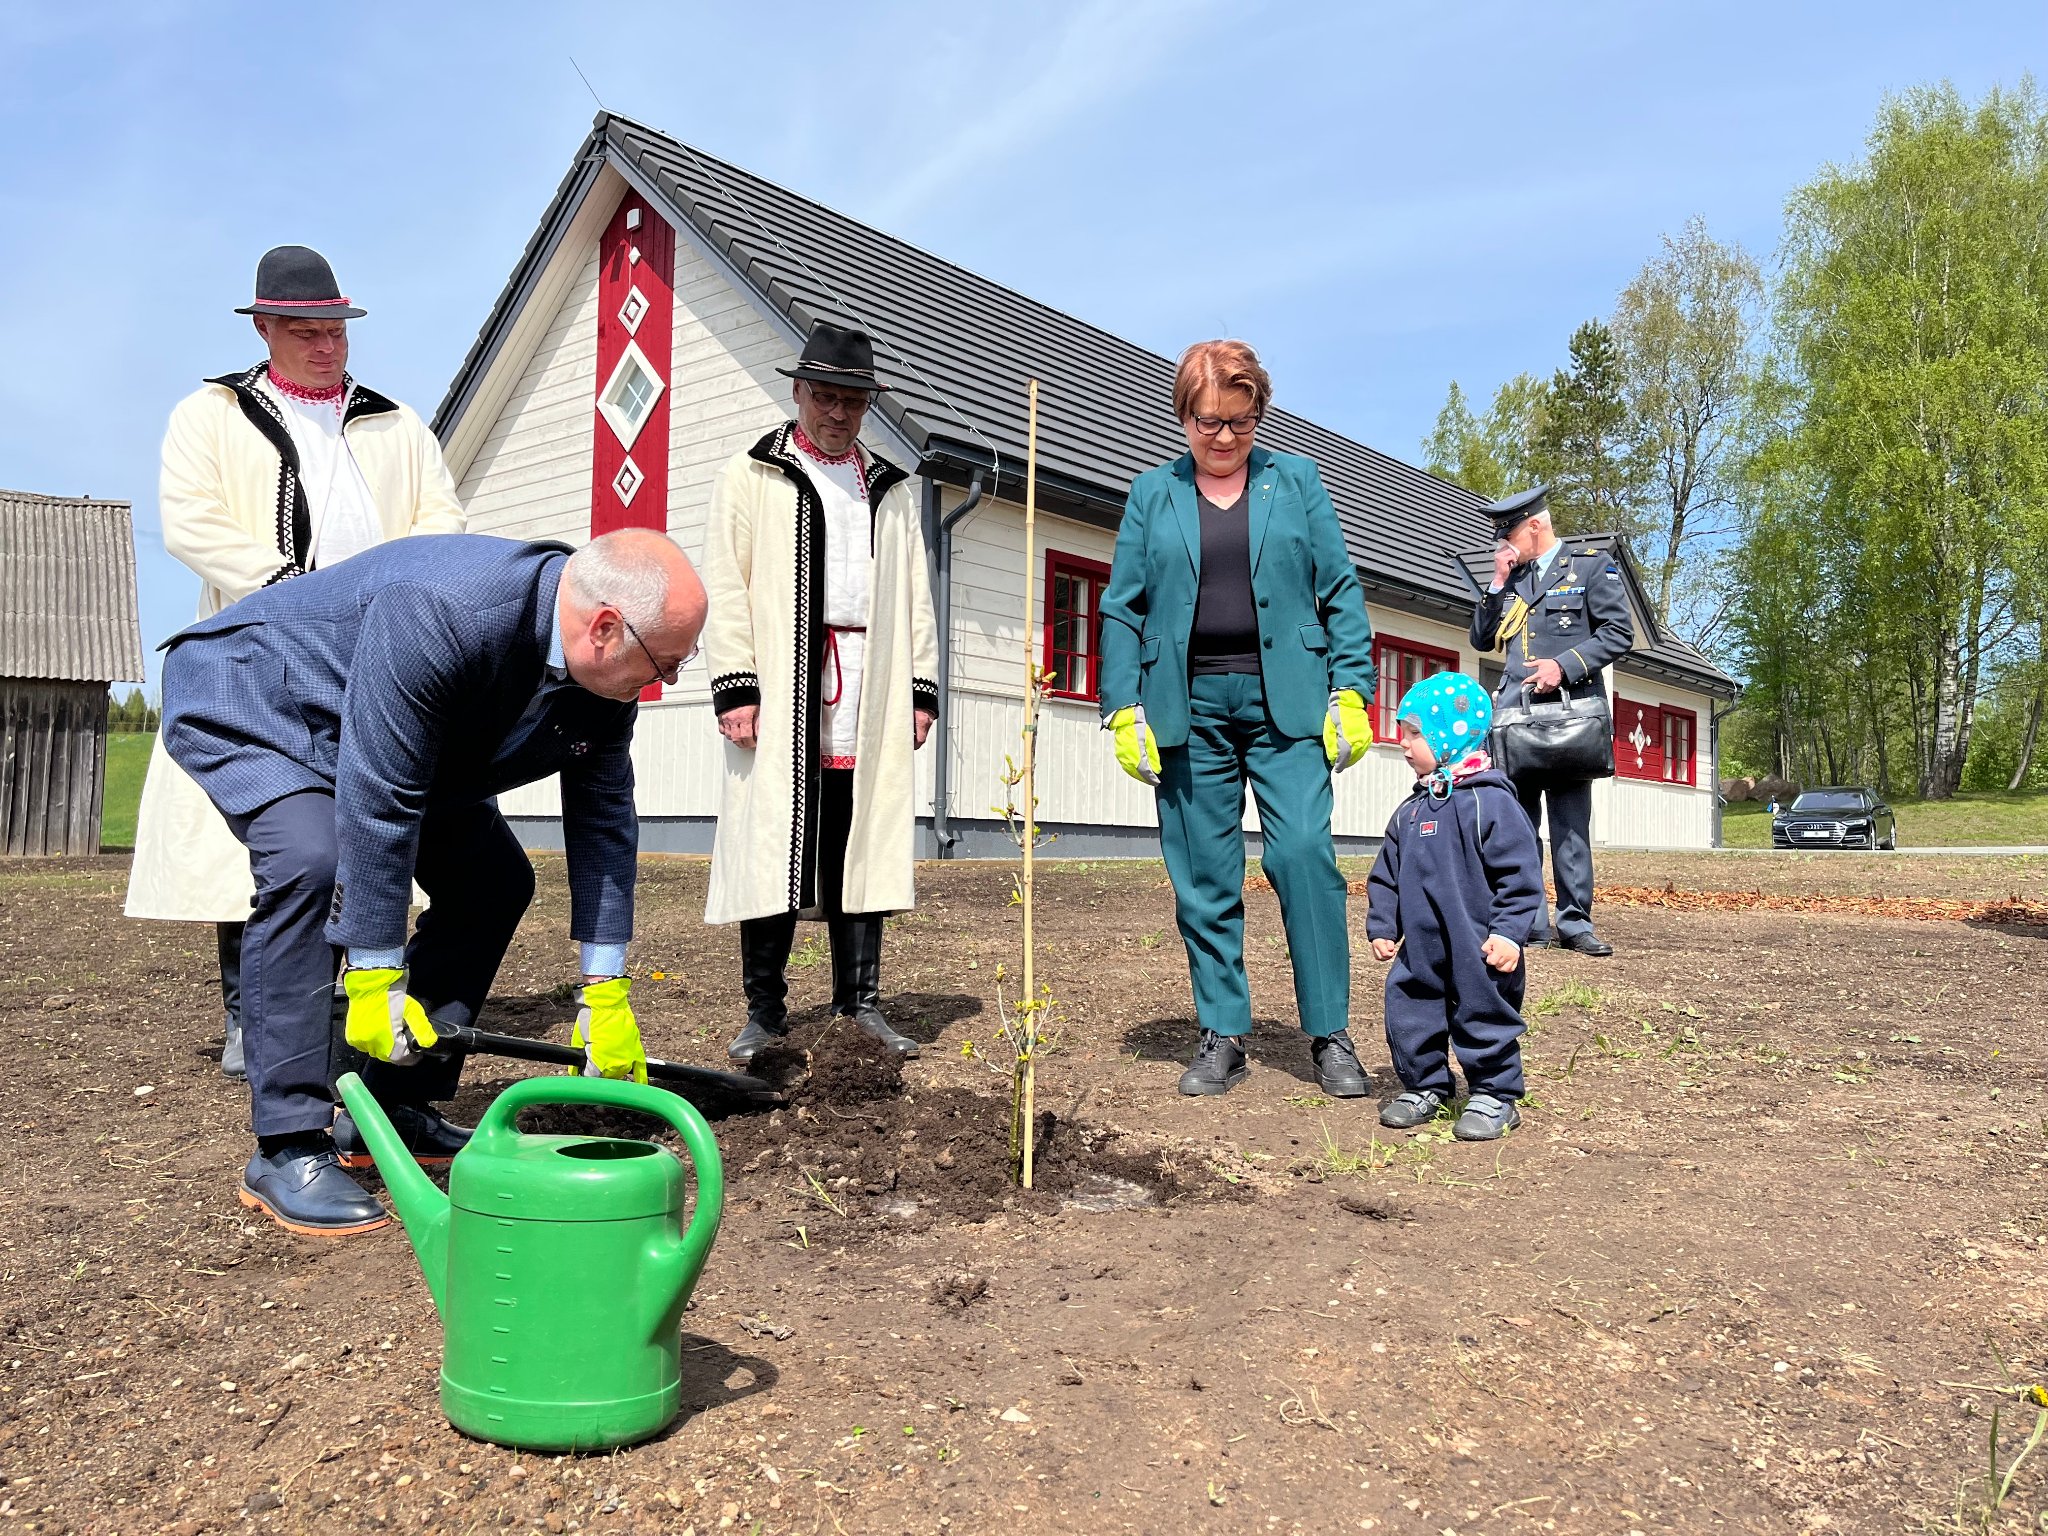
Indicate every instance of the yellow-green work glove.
{"type": "Point", "coordinates": [608, 1033]}
{"type": "Point", "coordinates": [1137, 751]}
{"type": "Point", "coordinates": [383, 1020]}
{"type": "Point", "coordinates": [1346, 731]}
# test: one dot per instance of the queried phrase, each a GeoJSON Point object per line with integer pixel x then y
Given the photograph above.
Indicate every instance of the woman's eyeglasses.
{"type": "Point", "coordinates": [1210, 426]}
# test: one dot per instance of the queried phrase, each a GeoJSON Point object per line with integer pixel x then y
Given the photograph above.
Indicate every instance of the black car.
{"type": "Point", "coordinates": [1837, 817]}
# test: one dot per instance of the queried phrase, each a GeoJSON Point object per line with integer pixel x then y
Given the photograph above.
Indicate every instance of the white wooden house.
{"type": "Point", "coordinates": [634, 350]}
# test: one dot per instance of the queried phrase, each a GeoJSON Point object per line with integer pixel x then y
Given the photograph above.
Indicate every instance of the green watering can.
{"type": "Point", "coordinates": [560, 1264]}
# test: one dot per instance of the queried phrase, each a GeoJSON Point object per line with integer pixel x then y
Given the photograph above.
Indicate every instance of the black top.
{"type": "Point", "coordinates": [1226, 634]}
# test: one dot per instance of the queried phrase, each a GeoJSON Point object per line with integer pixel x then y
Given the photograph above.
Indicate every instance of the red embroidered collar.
{"type": "Point", "coordinates": [803, 441]}
{"type": "Point", "coordinates": [284, 386]}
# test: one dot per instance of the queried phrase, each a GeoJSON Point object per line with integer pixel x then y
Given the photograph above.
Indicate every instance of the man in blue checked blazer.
{"type": "Point", "coordinates": [353, 726]}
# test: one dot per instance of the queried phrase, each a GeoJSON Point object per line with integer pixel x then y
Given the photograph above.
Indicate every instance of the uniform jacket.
{"type": "Point", "coordinates": [1578, 616]}
{"type": "Point", "coordinates": [1453, 871]}
{"type": "Point", "coordinates": [1313, 633]}
{"type": "Point", "coordinates": [234, 511]}
{"type": "Point", "coordinates": [401, 680]}
{"type": "Point", "coordinates": [764, 570]}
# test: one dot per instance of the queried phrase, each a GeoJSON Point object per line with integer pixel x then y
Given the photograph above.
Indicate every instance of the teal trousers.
{"type": "Point", "coordinates": [1201, 812]}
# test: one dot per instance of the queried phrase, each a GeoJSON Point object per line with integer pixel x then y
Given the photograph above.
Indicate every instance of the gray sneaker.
{"type": "Point", "coordinates": [1418, 1106]}
{"type": "Point", "coordinates": [231, 1061]}
{"type": "Point", "coordinates": [1486, 1118]}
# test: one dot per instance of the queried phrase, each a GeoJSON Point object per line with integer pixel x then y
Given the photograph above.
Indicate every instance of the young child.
{"type": "Point", "coordinates": [1453, 896]}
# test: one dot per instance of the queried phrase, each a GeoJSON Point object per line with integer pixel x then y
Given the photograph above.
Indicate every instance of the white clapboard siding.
{"type": "Point", "coordinates": [531, 477]}
{"type": "Point", "coordinates": [1635, 813]}
{"type": "Point", "coordinates": [724, 391]}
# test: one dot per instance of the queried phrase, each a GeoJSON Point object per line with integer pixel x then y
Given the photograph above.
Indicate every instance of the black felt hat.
{"type": "Point", "coordinates": [837, 354]}
{"type": "Point", "coordinates": [1510, 512]}
{"type": "Point", "coordinates": [295, 281]}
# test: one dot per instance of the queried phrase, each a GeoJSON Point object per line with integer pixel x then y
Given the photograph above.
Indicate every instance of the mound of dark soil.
{"type": "Point", "coordinates": [853, 1146]}
{"type": "Point", "coordinates": [831, 1061]}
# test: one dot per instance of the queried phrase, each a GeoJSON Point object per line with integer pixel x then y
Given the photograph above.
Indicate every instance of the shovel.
{"type": "Point", "coordinates": [702, 1082]}
{"type": "Point", "coordinates": [703, 1086]}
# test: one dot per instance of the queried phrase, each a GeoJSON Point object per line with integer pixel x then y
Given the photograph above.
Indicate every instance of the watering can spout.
{"type": "Point", "coordinates": [422, 1207]}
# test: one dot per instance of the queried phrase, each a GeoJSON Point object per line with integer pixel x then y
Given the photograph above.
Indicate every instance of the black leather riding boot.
{"type": "Point", "coordinates": [764, 963]}
{"type": "Point", "coordinates": [857, 978]}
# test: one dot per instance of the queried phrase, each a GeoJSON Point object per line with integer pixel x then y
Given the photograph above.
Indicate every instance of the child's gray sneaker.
{"type": "Point", "coordinates": [1418, 1106]}
{"type": "Point", "coordinates": [1486, 1118]}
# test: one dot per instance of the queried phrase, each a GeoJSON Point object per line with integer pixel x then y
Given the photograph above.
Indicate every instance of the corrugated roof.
{"type": "Point", "coordinates": [1104, 411]}
{"type": "Point", "coordinates": [67, 589]}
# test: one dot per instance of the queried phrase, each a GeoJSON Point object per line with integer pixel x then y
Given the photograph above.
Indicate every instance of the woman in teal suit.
{"type": "Point", "coordinates": [1235, 648]}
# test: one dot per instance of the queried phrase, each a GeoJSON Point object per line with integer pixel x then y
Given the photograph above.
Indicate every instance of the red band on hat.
{"type": "Point", "coordinates": [306, 303]}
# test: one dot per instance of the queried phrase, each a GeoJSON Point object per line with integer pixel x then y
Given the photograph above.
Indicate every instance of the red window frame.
{"type": "Point", "coordinates": [1390, 655]}
{"type": "Point", "coordinates": [1057, 660]}
{"type": "Point", "coordinates": [1681, 731]}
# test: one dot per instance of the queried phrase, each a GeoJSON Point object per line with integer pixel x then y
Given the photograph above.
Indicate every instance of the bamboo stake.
{"type": "Point", "coordinates": [1029, 997]}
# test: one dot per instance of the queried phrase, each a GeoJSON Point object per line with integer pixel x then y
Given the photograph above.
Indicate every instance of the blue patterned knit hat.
{"type": "Point", "coordinates": [1452, 712]}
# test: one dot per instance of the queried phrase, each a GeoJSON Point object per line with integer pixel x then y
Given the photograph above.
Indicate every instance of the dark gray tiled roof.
{"type": "Point", "coordinates": [67, 590]}
{"type": "Point", "coordinates": [958, 350]}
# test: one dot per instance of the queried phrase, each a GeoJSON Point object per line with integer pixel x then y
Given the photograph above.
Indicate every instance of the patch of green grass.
{"type": "Point", "coordinates": [1573, 994]}
{"type": "Point", "coordinates": [811, 951]}
{"type": "Point", "coordinates": [1972, 819]}
{"type": "Point", "coordinates": [127, 760]}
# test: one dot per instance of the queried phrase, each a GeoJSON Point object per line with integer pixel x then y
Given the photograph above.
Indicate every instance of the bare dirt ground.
{"type": "Point", "coordinates": [1770, 1246]}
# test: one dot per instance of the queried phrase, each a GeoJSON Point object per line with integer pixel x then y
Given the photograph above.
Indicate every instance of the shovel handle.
{"type": "Point", "coordinates": [464, 1037]}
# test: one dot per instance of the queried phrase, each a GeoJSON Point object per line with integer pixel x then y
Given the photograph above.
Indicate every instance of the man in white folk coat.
{"type": "Point", "coordinates": [279, 469]}
{"type": "Point", "coordinates": [823, 655]}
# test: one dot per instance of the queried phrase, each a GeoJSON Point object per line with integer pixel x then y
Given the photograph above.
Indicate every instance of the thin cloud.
{"type": "Point", "coordinates": [1106, 50]}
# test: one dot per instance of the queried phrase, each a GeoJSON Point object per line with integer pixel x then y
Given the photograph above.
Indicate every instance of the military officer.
{"type": "Point", "coordinates": [1558, 613]}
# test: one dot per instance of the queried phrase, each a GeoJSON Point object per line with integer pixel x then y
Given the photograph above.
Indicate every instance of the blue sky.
{"type": "Point", "coordinates": [1381, 198]}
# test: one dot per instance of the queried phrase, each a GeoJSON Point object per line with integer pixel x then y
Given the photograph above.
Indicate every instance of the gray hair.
{"type": "Point", "coordinates": [618, 570]}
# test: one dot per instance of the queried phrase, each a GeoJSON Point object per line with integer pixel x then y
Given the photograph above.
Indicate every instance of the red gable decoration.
{"type": "Point", "coordinates": [635, 342]}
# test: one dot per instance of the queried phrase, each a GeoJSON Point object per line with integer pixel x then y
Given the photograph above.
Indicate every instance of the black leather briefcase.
{"type": "Point", "coordinates": [1539, 740]}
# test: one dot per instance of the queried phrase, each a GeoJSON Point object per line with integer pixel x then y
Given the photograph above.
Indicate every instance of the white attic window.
{"type": "Point", "coordinates": [629, 396]}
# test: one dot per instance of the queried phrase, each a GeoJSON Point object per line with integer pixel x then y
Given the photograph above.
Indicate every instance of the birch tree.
{"type": "Point", "coordinates": [1913, 319]}
{"type": "Point", "coordinates": [1683, 331]}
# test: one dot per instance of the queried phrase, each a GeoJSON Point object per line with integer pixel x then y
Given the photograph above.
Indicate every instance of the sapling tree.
{"type": "Point", "coordinates": [1022, 1022]}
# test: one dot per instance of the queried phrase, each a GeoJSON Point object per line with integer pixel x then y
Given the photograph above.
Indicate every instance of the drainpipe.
{"type": "Point", "coordinates": [1714, 719]}
{"type": "Point", "coordinates": [942, 602]}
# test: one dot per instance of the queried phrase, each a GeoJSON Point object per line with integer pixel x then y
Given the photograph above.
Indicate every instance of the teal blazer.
{"type": "Point", "coordinates": [1314, 636]}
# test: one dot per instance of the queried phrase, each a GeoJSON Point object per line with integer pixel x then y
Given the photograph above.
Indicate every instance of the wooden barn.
{"type": "Point", "coordinates": [634, 350]}
{"type": "Point", "coordinates": [68, 628]}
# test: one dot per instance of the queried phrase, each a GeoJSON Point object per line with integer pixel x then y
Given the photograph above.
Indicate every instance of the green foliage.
{"type": "Point", "coordinates": [1904, 464]}
{"type": "Point", "coordinates": [1638, 435]}
{"type": "Point", "coordinates": [1497, 455]}
{"type": "Point", "coordinates": [1585, 444]}
{"type": "Point", "coordinates": [131, 712]}
{"type": "Point", "coordinates": [1682, 334]}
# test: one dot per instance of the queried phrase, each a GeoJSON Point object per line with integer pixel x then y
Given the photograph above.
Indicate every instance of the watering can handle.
{"type": "Point", "coordinates": [498, 1121]}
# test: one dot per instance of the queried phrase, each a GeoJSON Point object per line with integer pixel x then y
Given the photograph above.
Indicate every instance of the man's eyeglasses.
{"type": "Point", "coordinates": [667, 674]}
{"type": "Point", "coordinates": [833, 401]}
{"type": "Point", "coordinates": [1240, 426]}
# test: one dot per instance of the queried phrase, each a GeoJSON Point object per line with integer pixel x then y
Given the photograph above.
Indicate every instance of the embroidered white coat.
{"type": "Point", "coordinates": [227, 497]}
{"type": "Point", "coordinates": [764, 643]}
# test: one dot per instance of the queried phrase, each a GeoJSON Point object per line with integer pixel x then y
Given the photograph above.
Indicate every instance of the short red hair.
{"type": "Point", "coordinates": [1220, 365]}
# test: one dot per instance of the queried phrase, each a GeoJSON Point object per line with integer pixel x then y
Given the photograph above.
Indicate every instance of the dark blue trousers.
{"type": "Point", "coordinates": [1435, 999]}
{"type": "Point", "coordinates": [1571, 849]}
{"type": "Point", "coordinates": [480, 883]}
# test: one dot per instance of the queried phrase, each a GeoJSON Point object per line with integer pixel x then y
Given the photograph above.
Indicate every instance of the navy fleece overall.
{"type": "Point", "coordinates": [1451, 872]}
